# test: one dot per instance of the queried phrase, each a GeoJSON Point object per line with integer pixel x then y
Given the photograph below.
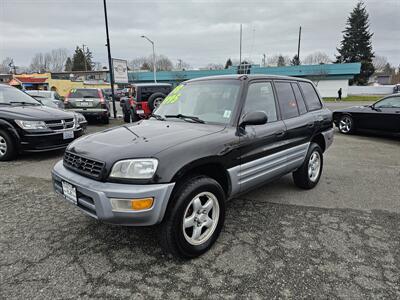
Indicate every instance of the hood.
{"type": "Point", "coordinates": [36, 113]}
{"type": "Point", "coordinates": [355, 109]}
{"type": "Point", "coordinates": [143, 139]}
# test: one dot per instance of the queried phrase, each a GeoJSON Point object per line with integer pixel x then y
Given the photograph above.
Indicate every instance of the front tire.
{"type": "Point", "coordinates": [194, 218]}
{"type": "Point", "coordinates": [308, 175]}
{"type": "Point", "coordinates": [7, 146]}
{"type": "Point", "coordinates": [346, 124]}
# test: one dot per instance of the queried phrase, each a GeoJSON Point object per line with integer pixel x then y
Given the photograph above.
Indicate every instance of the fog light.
{"type": "Point", "coordinates": [131, 204]}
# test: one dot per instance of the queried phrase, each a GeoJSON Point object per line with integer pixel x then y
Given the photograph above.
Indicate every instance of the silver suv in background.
{"type": "Point", "coordinates": [90, 102]}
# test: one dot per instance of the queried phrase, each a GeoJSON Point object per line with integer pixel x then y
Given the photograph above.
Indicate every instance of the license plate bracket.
{"type": "Point", "coordinates": [69, 192]}
{"type": "Point", "coordinates": [68, 135]}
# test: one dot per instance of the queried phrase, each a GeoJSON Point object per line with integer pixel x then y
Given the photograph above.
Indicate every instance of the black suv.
{"type": "Point", "coordinates": [211, 139]}
{"type": "Point", "coordinates": [145, 98]}
{"type": "Point", "coordinates": [28, 126]}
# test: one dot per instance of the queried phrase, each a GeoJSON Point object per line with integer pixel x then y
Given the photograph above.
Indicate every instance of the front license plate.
{"type": "Point", "coordinates": [69, 192]}
{"type": "Point", "coordinates": [140, 112]}
{"type": "Point", "coordinates": [68, 135]}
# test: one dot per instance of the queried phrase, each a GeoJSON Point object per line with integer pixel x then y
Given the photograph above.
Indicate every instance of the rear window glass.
{"type": "Point", "coordinates": [84, 93]}
{"type": "Point", "coordinates": [310, 95]}
{"type": "Point", "coordinates": [287, 100]}
{"type": "Point", "coordinates": [299, 98]}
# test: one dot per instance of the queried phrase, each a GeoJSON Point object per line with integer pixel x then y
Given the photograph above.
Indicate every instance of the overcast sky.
{"type": "Point", "coordinates": [198, 32]}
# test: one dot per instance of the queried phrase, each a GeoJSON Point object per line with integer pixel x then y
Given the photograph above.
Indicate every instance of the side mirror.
{"type": "Point", "coordinates": [254, 118]}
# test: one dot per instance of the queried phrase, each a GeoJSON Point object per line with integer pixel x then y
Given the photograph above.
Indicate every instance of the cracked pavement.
{"type": "Point", "coordinates": [339, 240]}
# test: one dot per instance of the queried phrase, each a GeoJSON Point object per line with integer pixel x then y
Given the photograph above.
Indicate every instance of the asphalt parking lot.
{"type": "Point", "coordinates": [339, 240]}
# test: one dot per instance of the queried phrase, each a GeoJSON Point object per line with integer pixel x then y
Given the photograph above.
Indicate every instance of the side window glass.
{"type": "Point", "coordinates": [287, 100]}
{"type": "Point", "coordinates": [260, 97]}
{"type": "Point", "coordinates": [310, 96]}
{"type": "Point", "coordinates": [299, 98]}
{"type": "Point", "coordinates": [391, 102]}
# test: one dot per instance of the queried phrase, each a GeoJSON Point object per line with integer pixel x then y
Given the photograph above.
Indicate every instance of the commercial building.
{"type": "Point", "coordinates": [327, 77]}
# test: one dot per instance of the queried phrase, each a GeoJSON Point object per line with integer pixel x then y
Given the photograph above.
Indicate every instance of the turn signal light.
{"type": "Point", "coordinates": [121, 205]}
{"type": "Point", "coordinates": [140, 204]}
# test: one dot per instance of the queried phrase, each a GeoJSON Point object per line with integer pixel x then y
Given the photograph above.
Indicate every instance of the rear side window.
{"type": "Point", "coordinates": [287, 100]}
{"type": "Point", "coordinates": [260, 97]}
{"type": "Point", "coordinates": [310, 96]}
{"type": "Point", "coordinates": [299, 98]}
{"type": "Point", "coordinates": [84, 93]}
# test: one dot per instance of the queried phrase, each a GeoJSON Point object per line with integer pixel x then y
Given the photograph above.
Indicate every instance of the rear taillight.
{"type": "Point", "coordinates": [66, 98]}
{"type": "Point", "coordinates": [101, 96]}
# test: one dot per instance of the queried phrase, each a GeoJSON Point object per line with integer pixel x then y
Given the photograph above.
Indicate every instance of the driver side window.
{"type": "Point", "coordinates": [391, 102]}
{"type": "Point", "coordinates": [260, 97]}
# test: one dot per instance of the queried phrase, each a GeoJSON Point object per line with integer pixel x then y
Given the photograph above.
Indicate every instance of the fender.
{"type": "Point", "coordinates": [5, 124]}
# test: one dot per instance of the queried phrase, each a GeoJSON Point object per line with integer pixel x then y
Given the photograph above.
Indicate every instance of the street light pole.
{"type": "Point", "coordinates": [110, 61]}
{"type": "Point", "coordinates": [154, 58]}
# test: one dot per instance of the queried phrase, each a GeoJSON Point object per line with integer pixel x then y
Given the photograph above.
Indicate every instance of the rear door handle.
{"type": "Point", "coordinates": [280, 133]}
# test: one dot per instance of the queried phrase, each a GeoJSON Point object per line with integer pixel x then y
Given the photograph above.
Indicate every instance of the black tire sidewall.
{"type": "Point", "coordinates": [196, 186]}
{"type": "Point", "coordinates": [10, 153]}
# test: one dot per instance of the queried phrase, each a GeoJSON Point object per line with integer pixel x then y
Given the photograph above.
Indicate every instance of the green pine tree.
{"type": "Point", "coordinates": [281, 61]}
{"type": "Point", "coordinates": [356, 44]}
{"type": "Point", "coordinates": [68, 65]}
{"type": "Point", "coordinates": [82, 61]}
{"type": "Point", "coordinates": [295, 61]}
{"type": "Point", "coordinates": [228, 63]}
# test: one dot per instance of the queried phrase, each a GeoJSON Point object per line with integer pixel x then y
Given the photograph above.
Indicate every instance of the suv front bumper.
{"type": "Point", "coordinates": [93, 198]}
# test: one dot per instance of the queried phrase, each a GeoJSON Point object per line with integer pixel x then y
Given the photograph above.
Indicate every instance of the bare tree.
{"type": "Point", "coordinates": [163, 63]}
{"type": "Point", "coordinates": [212, 66]}
{"type": "Point", "coordinates": [317, 58]}
{"type": "Point", "coordinates": [5, 65]}
{"type": "Point", "coordinates": [379, 63]}
{"type": "Point", "coordinates": [57, 59]}
{"type": "Point", "coordinates": [182, 65]}
{"type": "Point", "coordinates": [278, 59]}
{"type": "Point", "coordinates": [137, 63]}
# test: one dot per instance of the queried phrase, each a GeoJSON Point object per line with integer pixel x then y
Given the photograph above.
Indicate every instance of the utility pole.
{"type": "Point", "coordinates": [154, 58]}
{"type": "Point", "coordinates": [298, 45]}
{"type": "Point", "coordinates": [110, 67]}
{"type": "Point", "coordinates": [179, 64]}
{"type": "Point", "coordinates": [240, 46]}
{"type": "Point", "coordinates": [84, 55]}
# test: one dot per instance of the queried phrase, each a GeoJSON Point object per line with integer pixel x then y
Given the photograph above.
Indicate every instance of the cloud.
{"type": "Point", "coordinates": [199, 32]}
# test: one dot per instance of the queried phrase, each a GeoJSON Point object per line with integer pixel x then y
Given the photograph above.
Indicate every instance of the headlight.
{"type": "Point", "coordinates": [79, 117]}
{"type": "Point", "coordinates": [134, 168]}
{"type": "Point", "coordinates": [31, 124]}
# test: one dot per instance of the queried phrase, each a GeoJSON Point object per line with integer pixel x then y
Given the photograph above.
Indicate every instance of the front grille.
{"type": "Point", "coordinates": [85, 166]}
{"type": "Point", "coordinates": [60, 125]}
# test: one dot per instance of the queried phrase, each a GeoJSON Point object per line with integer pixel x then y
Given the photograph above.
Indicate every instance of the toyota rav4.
{"type": "Point", "coordinates": [210, 140]}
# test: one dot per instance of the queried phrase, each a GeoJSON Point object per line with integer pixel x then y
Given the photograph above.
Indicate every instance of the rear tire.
{"type": "Point", "coordinates": [127, 117]}
{"type": "Point", "coordinates": [308, 175]}
{"type": "Point", "coordinates": [8, 149]}
{"type": "Point", "coordinates": [199, 203]}
{"type": "Point", "coordinates": [105, 120]}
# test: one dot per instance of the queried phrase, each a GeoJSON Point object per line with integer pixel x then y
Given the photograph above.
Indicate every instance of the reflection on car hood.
{"type": "Point", "coordinates": [42, 113]}
{"type": "Point", "coordinates": [143, 139]}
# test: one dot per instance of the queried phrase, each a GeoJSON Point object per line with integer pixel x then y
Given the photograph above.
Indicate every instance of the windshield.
{"type": "Point", "coordinates": [10, 95]}
{"type": "Point", "coordinates": [84, 93]}
{"type": "Point", "coordinates": [210, 101]}
{"type": "Point", "coordinates": [47, 102]}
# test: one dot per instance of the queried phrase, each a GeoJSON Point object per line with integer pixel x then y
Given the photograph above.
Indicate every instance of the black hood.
{"type": "Point", "coordinates": [139, 140]}
{"type": "Point", "coordinates": [35, 113]}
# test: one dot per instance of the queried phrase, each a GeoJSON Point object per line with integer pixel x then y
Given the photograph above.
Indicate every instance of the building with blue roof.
{"type": "Point", "coordinates": [327, 77]}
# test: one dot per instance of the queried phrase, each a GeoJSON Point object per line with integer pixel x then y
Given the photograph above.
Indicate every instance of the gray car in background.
{"type": "Point", "coordinates": [47, 98]}
{"type": "Point", "coordinates": [90, 102]}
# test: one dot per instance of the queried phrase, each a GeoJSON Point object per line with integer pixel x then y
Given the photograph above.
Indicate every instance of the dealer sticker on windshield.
{"type": "Point", "coordinates": [174, 95]}
{"type": "Point", "coordinates": [227, 114]}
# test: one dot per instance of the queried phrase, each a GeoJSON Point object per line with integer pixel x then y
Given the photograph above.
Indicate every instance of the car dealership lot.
{"type": "Point", "coordinates": [340, 239]}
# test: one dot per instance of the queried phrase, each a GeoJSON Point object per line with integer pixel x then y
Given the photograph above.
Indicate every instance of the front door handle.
{"type": "Point", "coordinates": [280, 133]}
{"type": "Point", "coordinates": [311, 125]}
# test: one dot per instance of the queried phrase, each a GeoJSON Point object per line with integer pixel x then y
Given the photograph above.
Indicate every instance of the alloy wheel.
{"type": "Point", "coordinates": [314, 166]}
{"type": "Point", "coordinates": [3, 146]}
{"type": "Point", "coordinates": [200, 218]}
{"type": "Point", "coordinates": [345, 124]}
{"type": "Point", "coordinates": [157, 102]}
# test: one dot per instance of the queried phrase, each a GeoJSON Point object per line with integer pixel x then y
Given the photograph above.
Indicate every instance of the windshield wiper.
{"type": "Point", "coordinates": [184, 117]}
{"type": "Point", "coordinates": [157, 117]}
{"type": "Point", "coordinates": [4, 103]}
{"type": "Point", "coordinates": [24, 103]}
